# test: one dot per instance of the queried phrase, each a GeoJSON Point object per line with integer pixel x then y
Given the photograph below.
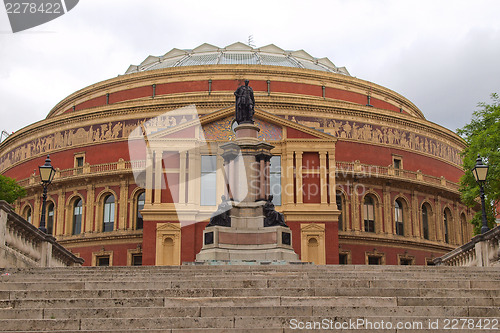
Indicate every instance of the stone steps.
{"type": "Point", "coordinates": [242, 298]}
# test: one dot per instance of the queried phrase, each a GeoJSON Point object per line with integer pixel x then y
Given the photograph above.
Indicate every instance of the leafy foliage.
{"type": "Point", "coordinates": [482, 135]}
{"type": "Point", "coordinates": [10, 190]}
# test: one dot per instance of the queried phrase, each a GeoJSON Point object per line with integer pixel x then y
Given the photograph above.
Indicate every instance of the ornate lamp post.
{"type": "Point", "coordinates": [47, 173]}
{"type": "Point", "coordinates": [480, 171]}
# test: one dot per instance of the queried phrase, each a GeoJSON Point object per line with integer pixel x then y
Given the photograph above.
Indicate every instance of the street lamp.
{"type": "Point", "coordinates": [47, 173]}
{"type": "Point", "coordinates": [480, 171]}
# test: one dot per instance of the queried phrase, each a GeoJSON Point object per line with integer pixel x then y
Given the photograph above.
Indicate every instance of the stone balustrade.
{"type": "Point", "coordinates": [483, 250]}
{"type": "Point", "coordinates": [23, 245]}
{"type": "Point", "coordinates": [342, 168]}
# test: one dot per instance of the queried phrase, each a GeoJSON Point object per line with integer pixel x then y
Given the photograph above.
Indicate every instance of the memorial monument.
{"type": "Point", "coordinates": [246, 225]}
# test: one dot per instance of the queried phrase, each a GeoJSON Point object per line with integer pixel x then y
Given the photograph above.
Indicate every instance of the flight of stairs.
{"type": "Point", "coordinates": [258, 298]}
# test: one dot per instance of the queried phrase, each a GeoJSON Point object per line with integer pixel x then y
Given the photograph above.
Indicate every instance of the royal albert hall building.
{"type": "Point", "coordinates": [358, 172]}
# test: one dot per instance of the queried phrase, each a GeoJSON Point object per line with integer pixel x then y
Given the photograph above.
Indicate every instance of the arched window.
{"type": "Point", "coordinates": [369, 213]}
{"type": "Point", "coordinates": [425, 221]}
{"type": "Point", "coordinates": [339, 200]}
{"type": "Point", "coordinates": [50, 219]}
{"type": "Point", "coordinates": [446, 221]}
{"type": "Point", "coordinates": [108, 220]}
{"type": "Point", "coordinates": [77, 217]}
{"type": "Point", "coordinates": [27, 213]}
{"type": "Point", "coordinates": [141, 199]}
{"type": "Point", "coordinates": [398, 217]}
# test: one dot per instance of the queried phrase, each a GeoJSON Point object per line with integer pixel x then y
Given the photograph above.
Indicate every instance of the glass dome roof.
{"type": "Point", "coordinates": [236, 54]}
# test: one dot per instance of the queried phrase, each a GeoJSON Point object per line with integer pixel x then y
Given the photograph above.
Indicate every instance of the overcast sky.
{"type": "Point", "coordinates": [444, 56]}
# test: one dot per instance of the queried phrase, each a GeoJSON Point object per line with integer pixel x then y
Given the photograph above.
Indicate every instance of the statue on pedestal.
{"type": "Point", "coordinates": [245, 103]}
{"type": "Point", "coordinates": [271, 216]}
{"type": "Point", "coordinates": [221, 216]}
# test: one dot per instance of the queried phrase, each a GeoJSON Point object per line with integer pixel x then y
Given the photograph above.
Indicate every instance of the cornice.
{"type": "Point", "coordinates": [392, 242]}
{"type": "Point", "coordinates": [188, 73]}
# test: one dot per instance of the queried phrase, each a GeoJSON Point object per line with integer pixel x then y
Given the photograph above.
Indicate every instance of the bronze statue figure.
{"type": "Point", "coordinates": [221, 216]}
{"type": "Point", "coordinates": [271, 216]}
{"type": "Point", "coordinates": [245, 103]}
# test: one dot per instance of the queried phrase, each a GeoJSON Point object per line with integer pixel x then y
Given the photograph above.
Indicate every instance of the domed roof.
{"type": "Point", "coordinates": [236, 54]}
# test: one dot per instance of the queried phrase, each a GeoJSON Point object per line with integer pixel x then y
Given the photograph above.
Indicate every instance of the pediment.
{"type": "Point", "coordinates": [184, 123]}
{"type": "Point", "coordinates": [318, 227]}
{"type": "Point", "coordinates": [168, 227]}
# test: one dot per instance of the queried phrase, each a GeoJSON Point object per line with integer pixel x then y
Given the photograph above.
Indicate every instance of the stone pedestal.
{"type": "Point", "coordinates": [246, 162]}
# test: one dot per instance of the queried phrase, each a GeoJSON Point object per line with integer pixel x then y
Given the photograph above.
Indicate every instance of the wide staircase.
{"type": "Point", "coordinates": [251, 298]}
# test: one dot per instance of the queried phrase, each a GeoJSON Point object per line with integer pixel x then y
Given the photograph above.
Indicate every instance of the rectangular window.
{"type": "Point", "coordinates": [208, 180]}
{"type": "Point", "coordinates": [102, 261]}
{"type": "Point", "coordinates": [275, 179]}
{"type": "Point", "coordinates": [79, 162]}
{"type": "Point", "coordinates": [342, 258]}
{"type": "Point", "coordinates": [397, 163]}
{"type": "Point", "coordinates": [137, 260]}
{"type": "Point", "coordinates": [374, 260]}
{"type": "Point", "coordinates": [405, 261]}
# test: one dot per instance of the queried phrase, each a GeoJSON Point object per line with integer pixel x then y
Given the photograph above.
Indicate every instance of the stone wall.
{"type": "Point", "coordinates": [23, 245]}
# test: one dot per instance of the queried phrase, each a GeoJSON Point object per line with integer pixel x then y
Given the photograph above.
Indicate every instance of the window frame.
{"type": "Point", "coordinates": [78, 203]}
{"type": "Point", "coordinates": [368, 224]}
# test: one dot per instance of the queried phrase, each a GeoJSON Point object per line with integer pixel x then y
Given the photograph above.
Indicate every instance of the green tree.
{"type": "Point", "coordinates": [10, 190]}
{"type": "Point", "coordinates": [482, 135]}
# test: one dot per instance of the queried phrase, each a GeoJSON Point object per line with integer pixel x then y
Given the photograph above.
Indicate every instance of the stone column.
{"type": "Point", "coordinates": [332, 182]}
{"type": "Point", "coordinates": [298, 177]}
{"type": "Point", "coordinates": [158, 181]}
{"type": "Point", "coordinates": [193, 176]}
{"type": "Point", "coordinates": [267, 182]}
{"type": "Point", "coordinates": [438, 220]}
{"type": "Point", "coordinates": [323, 179]}
{"type": "Point", "coordinates": [387, 204]}
{"type": "Point", "coordinates": [122, 219]}
{"type": "Point", "coordinates": [89, 213]}
{"type": "Point", "coordinates": [356, 219]}
{"type": "Point", "coordinates": [415, 215]}
{"type": "Point", "coordinates": [60, 212]}
{"type": "Point", "coordinates": [262, 178]}
{"type": "Point", "coordinates": [149, 178]}
{"type": "Point", "coordinates": [219, 176]}
{"type": "Point", "coordinates": [287, 193]}
{"type": "Point", "coordinates": [182, 177]}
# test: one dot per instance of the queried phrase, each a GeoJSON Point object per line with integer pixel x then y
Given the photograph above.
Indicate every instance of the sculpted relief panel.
{"type": "Point", "coordinates": [383, 135]}
{"type": "Point", "coordinates": [221, 130]}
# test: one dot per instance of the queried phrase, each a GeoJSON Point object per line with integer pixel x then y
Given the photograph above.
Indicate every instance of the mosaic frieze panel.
{"type": "Point", "coordinates": [384, 135]}
{"type": "Point", "coordinates": [221, 130]}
